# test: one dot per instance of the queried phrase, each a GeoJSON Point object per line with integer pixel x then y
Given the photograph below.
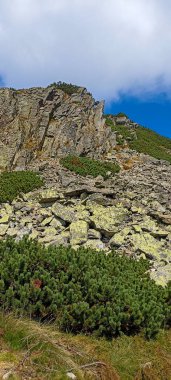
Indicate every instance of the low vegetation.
{"type": "Point", "coordinates": [84, 291]}
{"type": "Point", "coordinates": [68, 88]}
{"type": "Point", "coordinates": [121, 114]}
{"type": "Point", "coordinates": [39, 351]}
{"type": "Point", "coordinates": [152, 143]}
{"type": "Point", "coordinates": [143, 140]}
{"type": "Point", "coordinates": [123, 132]}
{"type": "Point", "coordinates": [86, 166]}
{"type": "Point", "coordinates": [14, 183]}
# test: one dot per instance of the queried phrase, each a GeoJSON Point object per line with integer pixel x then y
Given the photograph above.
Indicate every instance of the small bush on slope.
{"type": "Point", "coordinates": [13, 183]}
{"type": "Point", "coordinates": [86, 291]}
{"type": "Point", "coordinates": [86, 166]}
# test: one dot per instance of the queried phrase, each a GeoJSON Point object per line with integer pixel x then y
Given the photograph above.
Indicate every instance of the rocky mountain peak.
{"type": "Point", "coordinates": [49, 122]}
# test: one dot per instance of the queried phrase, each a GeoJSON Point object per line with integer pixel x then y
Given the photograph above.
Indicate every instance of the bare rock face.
{"type": "Point", "coordinates": [47, 122]}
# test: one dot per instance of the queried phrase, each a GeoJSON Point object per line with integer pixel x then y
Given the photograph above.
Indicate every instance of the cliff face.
{"type": "Point", "coordinates": [47, 122]}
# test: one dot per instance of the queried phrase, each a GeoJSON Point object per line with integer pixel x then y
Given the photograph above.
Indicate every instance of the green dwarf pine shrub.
{"type": "Point", "coordinates": [13, 183]}
{"type": "Point", "coordinates": [68, 88]}
{"type": "Point", "coordinates": [85, 291]}
{"type": "Point", "coordinates": [87, 166]}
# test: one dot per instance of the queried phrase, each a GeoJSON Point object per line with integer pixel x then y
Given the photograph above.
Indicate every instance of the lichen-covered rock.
{"type": "Point", "coordinates": [78, 230]}
{"type": "Point", "coordinates": [148, 224]}
{"type": "Point", "coordinates": [152, 248]}
{"type": "Point", "coordinates": [81, 213]}
{"type": "Point", "coordinates": [3, 229]}
{"type": "Point", "coordinates": [49, 231]}
{"type": "Point", "coordinates": [65, 213]}
{"type": "Point", "coordinates": [25, 220]}
{"type": "Point", "coordinates": [47, 221]}
{"type": "Point", "coordinates": [45, 212]}
{"type": "Point", "coordinates": [48, 196]}
{"type": "Point", "coordinates": [94, 244]}
{"type": "Point", "coordinates": [162, 275]}
{"type": "Point", "coordinates": [106, 219]}
{"type": "Point", "coordinates": [93, 234]}
{"type": "Point", "coordinates": [4, 219]}
{"type": "Point", "coordinates": [62, 239]}
{"type": "Point", "coordinates": [119, 238]}
{"type": "Point", "coordinates": [12, 232]}
{"type": "Point", "coordinates": [59, 224]}
{"type": "Point", "coordinates": [34, 234]}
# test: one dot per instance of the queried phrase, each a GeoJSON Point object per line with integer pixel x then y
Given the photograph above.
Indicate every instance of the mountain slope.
{"type": "Point", "coordinates": [30, 350]}
{"type": "Point", "coordinates": [138, 138]}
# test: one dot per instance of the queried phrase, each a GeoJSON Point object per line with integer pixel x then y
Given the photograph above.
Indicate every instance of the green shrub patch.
{"type": "Point", "coordinates": [85, 291]}
{"type": "Point", "coordinates": [68, 88]}
{"type": "Point", "coordinates": [13, 183]}
{"type": "Point", "coordinates": [86, 166]}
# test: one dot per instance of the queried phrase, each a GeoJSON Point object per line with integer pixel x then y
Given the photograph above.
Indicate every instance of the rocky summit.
{"type": "Point", "coordinates": [129, 212]}
{"type": "Point", "coordinates": [48, 122]}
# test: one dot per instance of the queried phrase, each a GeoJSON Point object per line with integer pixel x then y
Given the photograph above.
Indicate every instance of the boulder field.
{"type": "Point", "coordinates": [129, 212]}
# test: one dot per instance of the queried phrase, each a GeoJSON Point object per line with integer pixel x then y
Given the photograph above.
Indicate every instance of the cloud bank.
{"type": "Point", "coordinates": [112, 47]}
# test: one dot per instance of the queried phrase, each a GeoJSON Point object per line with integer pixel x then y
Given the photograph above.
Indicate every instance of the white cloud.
{"type": "Point", "coordinates": [109, 46]}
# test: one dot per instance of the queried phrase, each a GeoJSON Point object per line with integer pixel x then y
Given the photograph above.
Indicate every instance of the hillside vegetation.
{"type": "Point", "coordinates": [68, 88]}
{"type": "Point", "coordinates": [40, 352]}
{"type": "Point", "coordinates": [86, 166]}
{"type": "Point", "coordinates": [14, 183]}
{"type": "Point", "coordinates": [85, 290]}
{"type": "Point", "coordinates": [146, 141]}
{"type": "Point", "coordinates": [152, 143]}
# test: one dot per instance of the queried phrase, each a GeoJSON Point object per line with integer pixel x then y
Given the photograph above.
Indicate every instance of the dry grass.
{"type": "Point", "coordinates": [39, 352]}
{"type": "Point", "coordinates": [34, 351]}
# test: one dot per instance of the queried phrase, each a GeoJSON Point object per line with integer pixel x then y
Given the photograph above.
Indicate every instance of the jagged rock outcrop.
{"type": "Point", "coordinates": [47, 122]}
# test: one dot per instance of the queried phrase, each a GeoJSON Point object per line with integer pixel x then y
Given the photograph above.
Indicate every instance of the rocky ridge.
{"type": "Point", "coordinates": [49, 123]}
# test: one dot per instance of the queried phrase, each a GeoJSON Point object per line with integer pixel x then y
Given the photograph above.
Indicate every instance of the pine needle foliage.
{"type": "Point", "coordinates": [68, 88]}
{"type": "Point", "coordinates": [87, 166]}
{"type": "Point", "coordinates": [85, 291]}
{"type": "Point", "coordinates": [13, 183]}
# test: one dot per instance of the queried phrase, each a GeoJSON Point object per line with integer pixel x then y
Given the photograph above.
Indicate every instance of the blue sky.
{"type": "Point", "coordinates": [120, 50]}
